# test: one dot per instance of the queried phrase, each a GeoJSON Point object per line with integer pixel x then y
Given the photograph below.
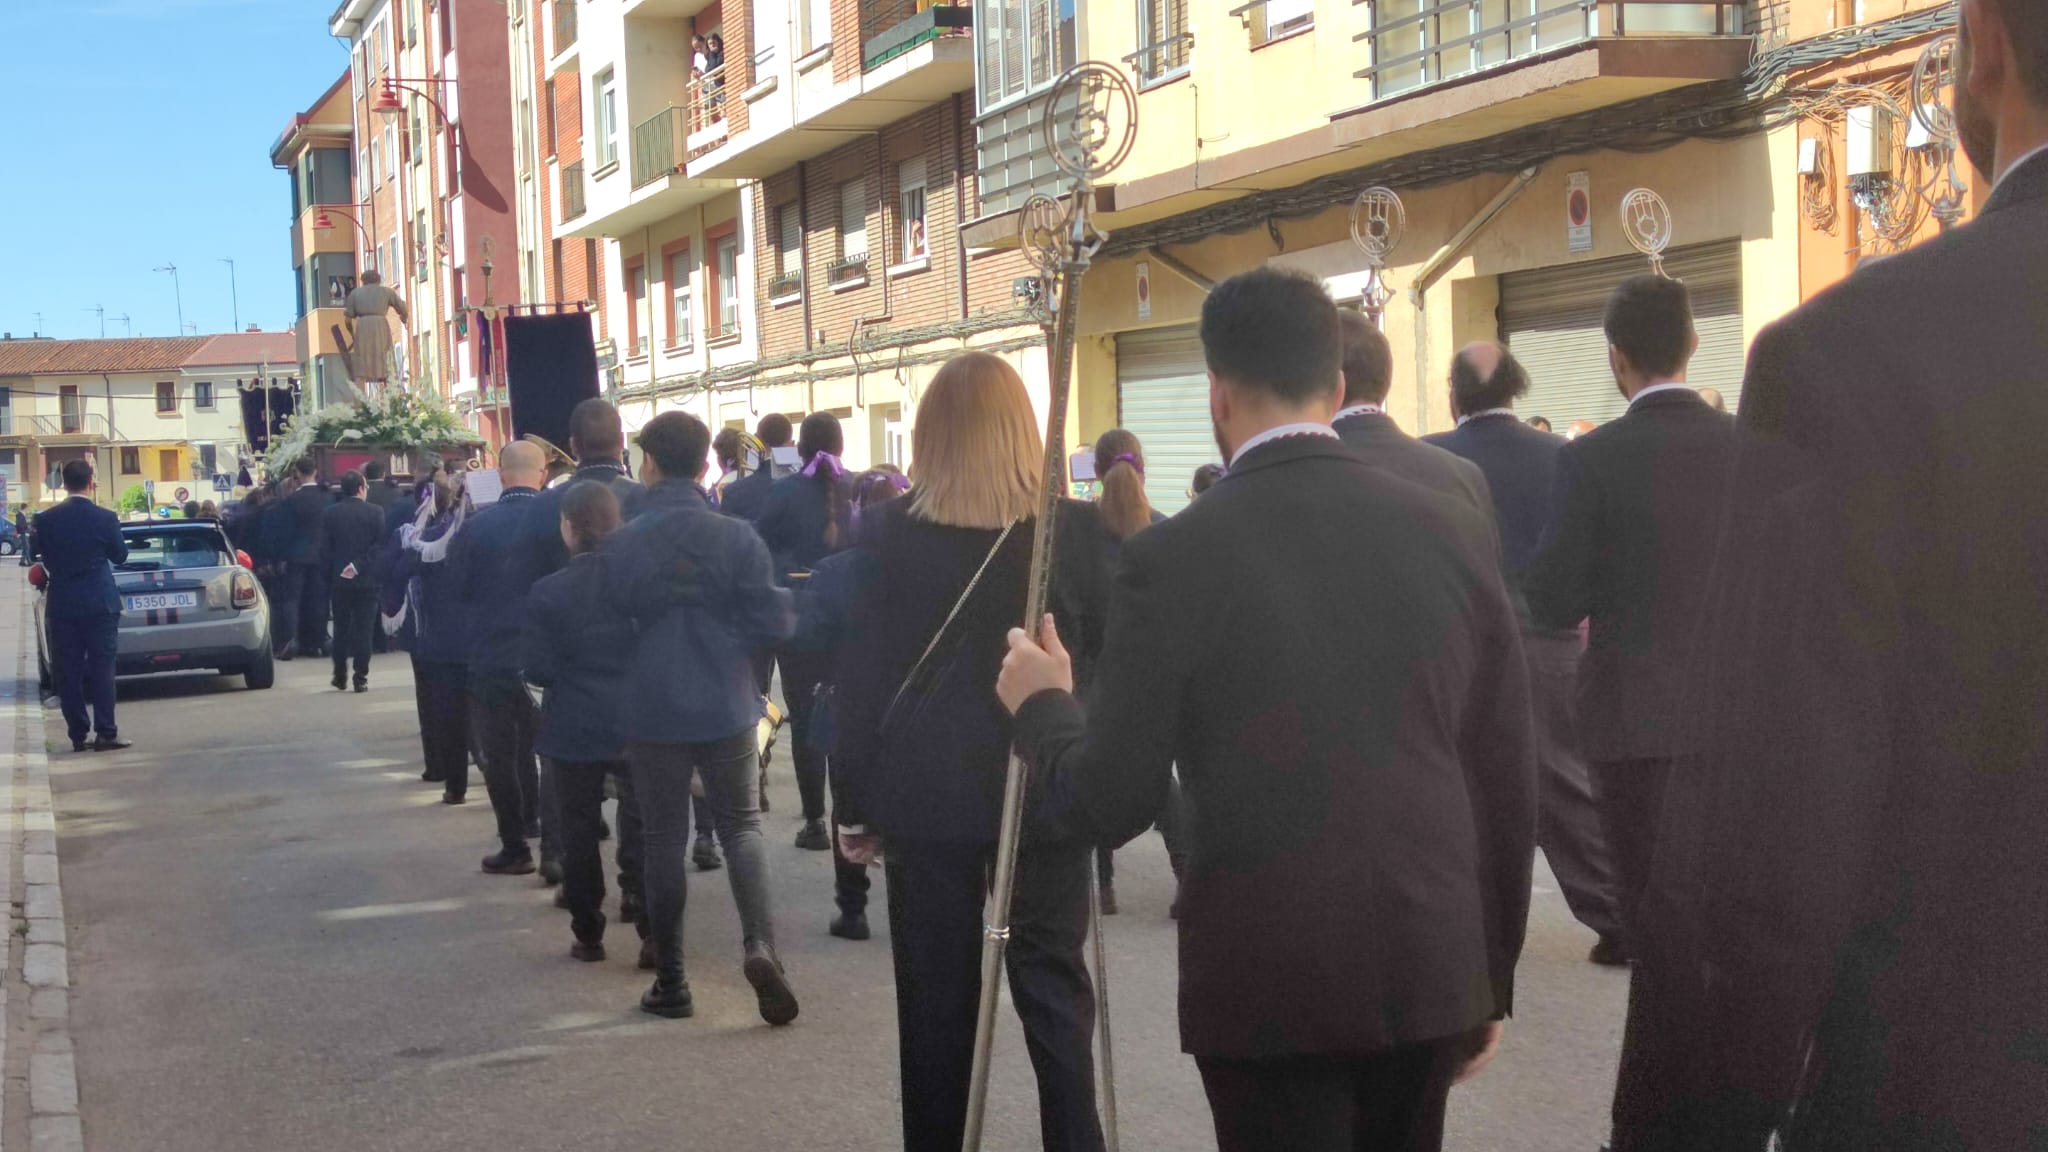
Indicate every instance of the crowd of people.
{"type": "Point", "coordinates": [1768, 696]}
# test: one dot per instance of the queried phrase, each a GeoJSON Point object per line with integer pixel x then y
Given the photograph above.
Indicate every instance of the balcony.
{"type": "Point", "coordinates": [658, 187]}
{"type": "Point", "coordinates": [890, 28]}
{"type": "Point", "coordinates": [564, 41]}
{"type": "Point", "coordinates": [78, 426]}
{"type": "Point", "coordinates": [848, 271]}
{"type": "Point", "coordinates": [787, 286]}
{"type": "Point", "coordinates": [574, 189]}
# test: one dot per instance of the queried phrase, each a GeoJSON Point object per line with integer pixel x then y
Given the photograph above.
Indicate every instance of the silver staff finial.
{"type": "Point", "coordinates": [1378, 221]}
{"type": "Point", "coordinates": [1646, 221]}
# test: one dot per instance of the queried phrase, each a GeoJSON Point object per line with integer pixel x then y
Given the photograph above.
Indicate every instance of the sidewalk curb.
{"type": "Point", "coordinates": [43, 979]}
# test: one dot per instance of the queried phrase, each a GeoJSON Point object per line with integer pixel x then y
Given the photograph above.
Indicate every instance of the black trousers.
{"type": "Point", "coordinates": [441, 689]}
{"type": "Point", "coordinates": [579, 797]}
{"type": "Point", "coordinates": [1391, 1101]}
{"type": "Point", "coordinates": [1661, 1091]}
{"type": "Point", "coordinates": [936, 894]}
{"type": "Point", "coordinates": [82, 659]}
{"type": "Point", "coordinates": [801, 674]}
{"type": "Point", "coordinates": [1568, 824]}
{"type": "Point", "coordinates": [284, 584]}
{"type": "Point", "coordinates": [504, 719]}
{"type": "Point", "coordinates": [312, 619]}
{"type": "Point", "coordinates": [850, 881]}
{"type": "Point", "coordinates": [355, 622]}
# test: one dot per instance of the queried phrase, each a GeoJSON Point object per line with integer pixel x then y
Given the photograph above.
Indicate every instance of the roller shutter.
{"type": "Point", "coordinates": [1163, 399]}
{"type": "Point", "coordinates": [1551, 319]}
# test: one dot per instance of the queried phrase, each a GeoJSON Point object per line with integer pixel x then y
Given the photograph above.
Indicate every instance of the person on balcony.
{"type": "Point", "coordinates": [370, 361]}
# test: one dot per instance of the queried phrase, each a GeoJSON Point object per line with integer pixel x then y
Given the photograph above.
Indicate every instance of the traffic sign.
{"type": "Point", "coordinates": [183, 495]}
{"type": "Point", "coordinates": [222, 482]}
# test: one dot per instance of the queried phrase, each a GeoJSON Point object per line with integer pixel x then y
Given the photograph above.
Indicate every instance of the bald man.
{"type": "Point", "coordinates": [492, 584]}
{"type": "Point", "coordinates": [1714, 399]}
{"type": "Point", "coordinates": [1520, 465]}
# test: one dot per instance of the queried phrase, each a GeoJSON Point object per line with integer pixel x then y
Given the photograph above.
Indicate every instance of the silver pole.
{"type": "Point", "coordinates": [1090, 123]}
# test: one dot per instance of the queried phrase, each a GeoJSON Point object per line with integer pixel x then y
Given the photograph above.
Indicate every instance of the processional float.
{"type": "Point", "coordinates": [1089, 122]}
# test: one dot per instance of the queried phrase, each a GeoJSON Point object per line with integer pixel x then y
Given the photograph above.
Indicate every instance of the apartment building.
{"type": "Point", "coordinates": [771, 220]}
{"type": "Point", "coordinates": [162, 410]}
{"type": "Point", "coordinates": [1512, 129]}
{"type": "Point", "coordinates": [317, 150]}
{"type": "Point", "coordinates": [431, 114]}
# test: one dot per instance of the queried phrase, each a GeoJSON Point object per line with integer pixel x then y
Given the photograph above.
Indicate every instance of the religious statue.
{"type": "Point", "coordinates": [370, 358]}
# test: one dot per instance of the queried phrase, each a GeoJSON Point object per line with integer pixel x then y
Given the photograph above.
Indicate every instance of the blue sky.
{"type": "Point", "coordinates": [137, 133]}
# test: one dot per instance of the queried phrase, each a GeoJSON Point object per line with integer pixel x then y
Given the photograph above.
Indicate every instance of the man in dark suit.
{"type": "Point", "coordinates": [351, 538]}
{"type": "Point", "coordinates": [1360, 766]}
{"type": "Point", "coordinates": [1363, 422]}
{"type": "Point", "coordinates": [307, 582]}
{"type": "Point", "coordinates": [597, 439]}
{"type": "Point", "coordinates": [1630, 547]}
{"type": "Point", "coordinates": [1877, 871]}
{"type": "Point", "coordinates": [491, 579]}
{"type": "Point", "coordinates": [1520, 465]}
{"type": "Point", "coordinates": [78, 543]}
{"type": "Point", "coordinates": [748, 495]}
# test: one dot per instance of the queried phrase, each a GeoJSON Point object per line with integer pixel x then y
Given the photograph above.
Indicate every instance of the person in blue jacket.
{"type": "Point", "coordinates": [435, 629]}
{"type": "Point", "coordinates": [573, 649]}
{"type": "Point", "coordinates": [701, 591]}
{"type": "Point", "coordinates": [79, 543]}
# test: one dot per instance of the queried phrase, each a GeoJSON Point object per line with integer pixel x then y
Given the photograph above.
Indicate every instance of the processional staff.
{"type": "Point", "coordinates": [1090, 122]}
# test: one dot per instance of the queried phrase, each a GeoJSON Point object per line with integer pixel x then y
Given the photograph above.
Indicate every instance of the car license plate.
{"type": "Point", "coordinates": [157, 601]}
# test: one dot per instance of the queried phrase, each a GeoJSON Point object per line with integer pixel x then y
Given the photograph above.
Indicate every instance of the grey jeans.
{"type": "Point", "coordinates": [661, 778]}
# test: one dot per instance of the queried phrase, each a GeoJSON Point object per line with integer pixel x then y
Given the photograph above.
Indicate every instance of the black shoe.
{"type": "Point", "coordinates": [705, 855]}
{"type": "Point", "coordinates": [650, 956]}
{"type": "Point", "coordinates": [362, 686]}
{"type": "Point", "coordinates": [111, 744]}
{"type": "Point", "coordinates": [850, 926]}
{"type": "Point", "coordinates": [81, 746]}
{"type": "Point", "coordinates": [340, 681]}
{"type": "Point", "coordinates": [589, 952]}
{"type": "Point", "coordinates": [432, 777]}
{"type": "Point", "coordinates": [289, 652]}
{"type": "Point", "coordinates": [631, 911]}
{"type": "Point", "coordinates": [1106, 897]}
{"type": "Point", "coordinates": [1609, 953]}
{"type": "Point", "coordinates": [550, 871]}
{"type": "Point", "coordinates": [506, 862]}
{"type": "Point", "coordinates": [671, 1001]}
{"type": "Point", "coordinates": [604, 831]}
{"type": "Point", "coordinates": [451, 799]}
{"type": "Point", "coordinates": [813, 837]}
{"type": "Point", "coordinates": [771, 986]}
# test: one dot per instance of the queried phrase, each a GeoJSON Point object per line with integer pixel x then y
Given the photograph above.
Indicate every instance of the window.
{"type": "Point", "coordinates": [72, 410]}
{"type": "Point", "coordinates": [636, 303]}
{"type": "Point", "coordinates": [391, 149]}
{"type": "Point", "coordinates": [209, 459]}
{"type": "Point", "coordinates": [412, 22]}
{"type": "Point", "coordinates": [418, 141]}
{"type": "Point", "coordinates": [355, 71]}
{"type": "Point", "coordinates": [607, 111]}
{"type": "Point", "coordinates": [789, 242]}
{"type": "Point", "coordinates": [6, 414]}
{"type": "Point", "coordinates": [680, 320]}
{"type": "Point", "coordinates": [1023, 45]}
{"type": "Point", "coordinates": [131, 461]}
{"type": "Point", "coordinates": [166, 396]}
{"type": "Point", "coordinates": [370, 167]}
{"type": "Point", "coordinates": [167, 466]}
{"type": "Point", "coordinates": [547, 127]}
{"type": "Point", "coordinates": [910, 207]}
{"type": "Point", "coordinates": [419, 240]}
{"type": "Point", "coordinates": [1163, 39]}
{"type": "Point", "coordinates": [728, 268]}
{"type": "Point", "coordinates": [853, 222]}
{"type": "Point", "coordinates": [815, 17]}
{"type": "Point", "coordinates": [202, 394]}
{"type": "Point", "coordinates": [525, 135]}
{"type": "Point", "coordinates": [1277, 18]}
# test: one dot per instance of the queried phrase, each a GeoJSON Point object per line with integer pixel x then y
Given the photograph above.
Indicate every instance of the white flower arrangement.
{"type": "Point", "coordinates": [398, 420]}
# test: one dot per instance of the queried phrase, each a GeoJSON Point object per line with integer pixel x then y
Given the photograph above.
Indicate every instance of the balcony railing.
{"type": "Point", "coordinates": [848, 269]}
{"type": "Point", "coordinates": [709, 92]}
{"type": "Point", "coordinates": [889, 28]}
{"type": "Point", "coordinates": [1419, 43]}
{"type": "Point", "coordinates": [1169, 57]}
{"type": "Point", "coordinates": [659, 147]}
{"type": "Point", "coordinates": [787, 284]}
{"type": "Point", "coordinates": [565, 25]}
{"type": "Point", "coordinates": [69, 424]}
{"type": "Point", "coordinates": [573, 189]}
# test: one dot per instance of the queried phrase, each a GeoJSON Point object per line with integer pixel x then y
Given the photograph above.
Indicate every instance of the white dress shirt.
{"type": "Point", "coordinates": [1652, 390]}
{"type": "Point", "coordinates": [1282, 431]}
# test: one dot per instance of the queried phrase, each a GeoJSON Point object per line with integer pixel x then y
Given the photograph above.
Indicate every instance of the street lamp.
{"type": "Point", "coordinates": [388, 105]}
{"type": "Point", "coordinates": [323, 221]}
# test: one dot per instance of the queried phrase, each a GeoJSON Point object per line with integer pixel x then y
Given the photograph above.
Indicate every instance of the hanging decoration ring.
{"type": "Point", "coordinates": [1091, 121]}
{"type": "Point", "coordinates": [1378, 221]}
{"type": "Point", "coordinates": [1646, 221]}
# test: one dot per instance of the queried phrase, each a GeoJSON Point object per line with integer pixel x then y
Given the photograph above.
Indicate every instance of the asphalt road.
{"type": "Point", "coordinates": [281, 940]}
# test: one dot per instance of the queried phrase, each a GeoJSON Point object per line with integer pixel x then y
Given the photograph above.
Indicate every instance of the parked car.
{"type": "Point", "coordinates": [188, 601]}
{"type": "Point", "coordinates": [10, 541]}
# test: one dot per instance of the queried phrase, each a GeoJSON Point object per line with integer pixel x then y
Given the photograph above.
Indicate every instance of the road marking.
{"type": "Point", "coordinates": [386, 911]}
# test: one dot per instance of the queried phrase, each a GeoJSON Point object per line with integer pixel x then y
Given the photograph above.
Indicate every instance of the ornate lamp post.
{"type": "Point", "coordinates": [1378, 222]}
{"type": "Point", "coordinates": [1646, 221]}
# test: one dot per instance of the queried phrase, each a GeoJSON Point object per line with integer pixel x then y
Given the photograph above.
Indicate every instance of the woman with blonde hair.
{"type": "Point", "coordinates": [922, 744]}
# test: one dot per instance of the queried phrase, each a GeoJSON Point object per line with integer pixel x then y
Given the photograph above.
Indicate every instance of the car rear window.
{"type": "Point", "coordinates": [156, 549]}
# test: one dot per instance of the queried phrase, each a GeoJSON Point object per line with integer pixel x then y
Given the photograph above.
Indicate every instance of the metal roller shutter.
{"type": "Point", "coordinates": [1163, 399]}
{"type": "Point", "coordinates": [1551, 319]}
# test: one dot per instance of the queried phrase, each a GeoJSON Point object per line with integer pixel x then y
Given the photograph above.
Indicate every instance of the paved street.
{"type": "Point", "coordinates": [279, 939]}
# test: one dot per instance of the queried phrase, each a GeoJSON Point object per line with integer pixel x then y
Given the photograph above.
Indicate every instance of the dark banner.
{"type": "Point", "coordinates": [550, 367]}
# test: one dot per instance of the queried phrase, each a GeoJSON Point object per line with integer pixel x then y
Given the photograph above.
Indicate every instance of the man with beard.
{"type": "Point", "coordinates": [1877, 869]}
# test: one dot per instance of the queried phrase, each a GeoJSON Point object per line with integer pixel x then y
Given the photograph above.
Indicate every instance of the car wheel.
{"type": "Point", "coordinates": [261, 672]}
{"type": "Point", "coordinates": [7, 548]}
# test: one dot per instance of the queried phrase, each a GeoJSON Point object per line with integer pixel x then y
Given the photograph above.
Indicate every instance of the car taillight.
{"type": "Point", "coordinates": [245, 590]}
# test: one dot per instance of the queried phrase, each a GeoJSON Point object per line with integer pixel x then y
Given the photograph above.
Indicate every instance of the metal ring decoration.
{"type": "Point", "coordinates": [1934, 90]}
{"type": "Point", "coordinates": [1378, 221]}
{"type": "Point", "coordinates": [1091, 121]}
{"type": "Point", "coordinates": [1646, 221]}
{"type": "Point", "coordinates": [1042, 232]}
